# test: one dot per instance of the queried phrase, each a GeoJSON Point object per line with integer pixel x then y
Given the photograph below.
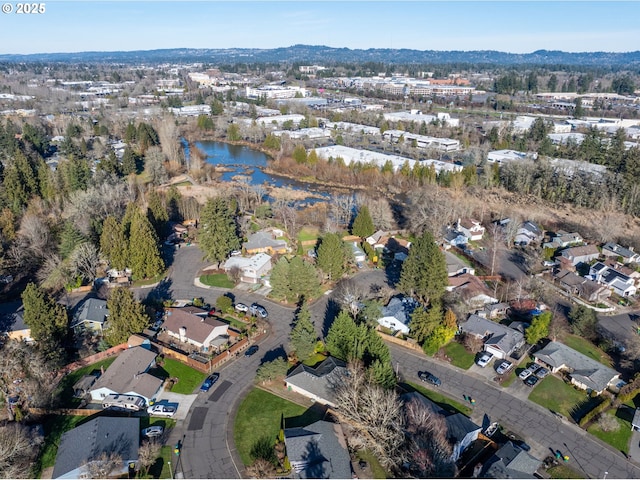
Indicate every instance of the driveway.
{"type": "Point", "coordinates": [184, 402]}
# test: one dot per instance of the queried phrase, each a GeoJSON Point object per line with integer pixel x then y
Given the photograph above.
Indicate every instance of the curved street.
{"type": "Point", "coordinates": [207, 432]}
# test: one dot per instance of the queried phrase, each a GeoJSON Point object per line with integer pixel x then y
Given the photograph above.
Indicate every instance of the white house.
{"type": "Point", "coordinates": [397, 314]}
{"type": "Point", "coordinates": [618, 282]}
{"type": "Point", "coordinates": [252, 269]}
{"type": "Point", "coordinates": [472, 229]}
{"type": "Point", "coordinates": [193, 329]}
{"type": "Point", "coordinates": [499, 339]}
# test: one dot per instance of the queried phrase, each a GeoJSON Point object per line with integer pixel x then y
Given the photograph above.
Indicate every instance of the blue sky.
{"type": "Point", "coordinates": [511, 26]}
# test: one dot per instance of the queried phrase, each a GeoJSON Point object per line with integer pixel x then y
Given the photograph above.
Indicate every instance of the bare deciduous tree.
{"type": "Point", "coordinates": [261, 468]}
{"type": "Point", "coordinates": [104, 465]}
{"type": "Point", "coordinates": [342, 208]}
{"type": "Point", "coordinates": [84, 261]}
{"type": "Point", "coordinates": [148, 452]}
{"type": "Point", "coordinates": [19, 447]}
{"type": "Point", "coordinates": [349, 294]}
{"type": "Point", "coordinates": [154, 166]}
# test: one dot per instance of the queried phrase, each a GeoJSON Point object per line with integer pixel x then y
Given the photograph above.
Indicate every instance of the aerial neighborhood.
{"type": "Point", "coordinates": [218, 268]}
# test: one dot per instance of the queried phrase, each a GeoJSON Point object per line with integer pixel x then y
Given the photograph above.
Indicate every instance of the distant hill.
{"type": "Point", "coordinates": [325, 55]}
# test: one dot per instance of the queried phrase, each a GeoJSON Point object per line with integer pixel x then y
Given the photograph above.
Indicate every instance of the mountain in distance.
{"type": "Point", "coordinates": [327, 55]}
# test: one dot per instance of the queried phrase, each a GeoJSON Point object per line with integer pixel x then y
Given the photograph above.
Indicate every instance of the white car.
{"type": "Point", "coordinates": [241, 307]}
{"type": "Point", "coordinates": [484, 359]}
{"type": "Point", "coordinates": [162, 410]}
{"type": "Point", "coordinates": [503, 367]}
{"type": "Point", "coordinates": [526, 373]}
{"type": "Point", "coordinates": [151, 432]}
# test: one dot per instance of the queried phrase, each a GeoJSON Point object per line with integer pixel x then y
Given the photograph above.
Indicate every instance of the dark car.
{"type": "Point", "coordinates": [209, 382]}
{"type": "Point", "coordinates": [429, 378]}
{"type": "Point", "coordinates": [531, 381]}
{"type": "Point", "coordinates": [251, 350]}
{"type": "Point", "coordinates": [542, 372]}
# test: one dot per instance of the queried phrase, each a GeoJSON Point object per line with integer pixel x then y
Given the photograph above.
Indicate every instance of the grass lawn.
{"type": "Point", "coordinates": [445, 402]}
{"type": "Point", "coordinates": [307, 234]}
{"type": "Point", "coordinates": [54, 426]}
{"type": "Point", "coordinates": [376, 468]}
{"type": "Point", "coordinates": [587, 348]}
{"type": "Point", "coordinates": [259, 416]}
{"type": "Point", "coordinates": [217, 280]}
{"type": "Point", "coordinates": [619, 438]}
{"type": "Point", "coordinates": [189, 378]}
{"type": "Point", "coordinates": [66, 384]}
{"type": "Point", "coordinates": [235, 323]}
{"type": "Point", "coordinates": [160, 468]}
{"type": "Point", "coordinates": [564, 471]}
{"type": "Point", "coordinates": [314, 359]}
{"type": "Point", "coordinates": [149, 281]}
{"type": "Point", "coordinates": [459, 355]}
{"type": "Point", "coordinates": [554, 394]}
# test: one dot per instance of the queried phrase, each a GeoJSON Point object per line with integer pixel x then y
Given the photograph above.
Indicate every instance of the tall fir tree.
{"type": "Point", "coordinates": [126, 316]}
{"type": "Point", "coordinates": [218, 231]}
{"type": "Point", "coordinates": [424, 272]}
{"type": "Point", "coordinates": [70, 238]}
{"type": "Point", "coordinates": [303, 336]}
{"type": "Point", "coordinates": [363, 223]}
{"type": "Point", "coordinates": [144, 255]}
{"type": "Point", "coordinates": [342, 337]}
{"type": "Point", "coordinates": [157, 213]}
{"type": "Point", "coordinates": [114, 244]}
{"type": "Point", "coordinates": [332, 258]}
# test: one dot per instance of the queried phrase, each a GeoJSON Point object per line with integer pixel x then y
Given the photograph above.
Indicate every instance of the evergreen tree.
{"type": "Point", "coordinates": [113, 243]}
{"type": "Point", "coordinates": [129, 161]}
{"type": "Point", "coordinates": [332, 258]}
{"type": "Point", "coordinates": [157, 214]}
{"type": "Point", "coordinates": [300, 154]}
{"type": "Point", "coordinates": [70, 238]}
{"type": "Point", "coordinates": [173, 199]}
{"type": "Point", "coordinates": [423, 322]}
{"type": "Point", "coordinates": [363, 224]}
{"type": "Point", "coordinates": [382, 373]}
{"type": "Point", "coordinates": [217, 107]}
{"type": "Point", "coordinates": [131, 133]}
{"type": "Point", "coordinates": [538, 329]}
{"type": "Point", "coordinates": [342, 336]}
{"type": "Point", "coordinates": [303, 279]}
{"type": "Point", "coordinates": [144, 255]}
{"type": "Point", "coordinates": [126, 316]}
{"type": "Point", "coordinates": [303, 336]}
{"type": "Point", "coordinates": [280, 279]}
{"type": "Point", "coordinates": [147, 136]}
{"type": "Point", "coordinates": [218, 231]}
{"type": "Point", "coordinates": [424, 272]}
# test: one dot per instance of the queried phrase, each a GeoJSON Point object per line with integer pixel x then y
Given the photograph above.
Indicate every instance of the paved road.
{"type": "Point", "coordinates": [509, 407]}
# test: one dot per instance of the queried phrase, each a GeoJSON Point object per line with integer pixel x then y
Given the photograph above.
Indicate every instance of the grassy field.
{"type": "Point", "coordinates": [619, 438]}
{"type": "Point", "coordinates": [189, 378]}
{"type": "Point", "coordinates": [66, 384]}
{"type": "Point", "coordinates": [217, 280]}
{"type": "Point", "coordinates": [459, 355]}
{"type": "Point", "coordinates": [564, 471]}
{"type": "Point", "coordinates": [235, 323]}
{"type": "Point", "coordinates": [587, 348]}
{"type": "Point", "coordinates": [552, 393]}
{"type": "Point", "coordinates": [445, 402]}
{"type": "Point", "coordinates": [307, 234]}
{"type": "Point", "coordinates": [259, 416]}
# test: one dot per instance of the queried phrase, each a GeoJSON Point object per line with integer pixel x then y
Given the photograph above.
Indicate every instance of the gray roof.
{"type": "Point", "coordinates": [400, 308]}
{"type": "Point", "coordinates": [510, 462]}
{"type": "Point", "coordinates": [318, 450]}
{"type": "Point", "coordinates": [103, 434]}
{"type": "Point", "coordinates": [11, 317]}
{"type": "Point", "coordinates": [91, 310]}
{"type": "Point", "coordinates": [618, 250]}
{"type": "Point", "coordinates": [320, 380]}
{"type": "Point", "coordinates": [454, 264]}
{"type": "Point", "coordinates": [263, 240]}
{"type": "Point", "coordinates": [127, 373]}
{"type": "Point", "coordinates": [500, 336]}
{"type": "Point", "coordinates": [585, 369]}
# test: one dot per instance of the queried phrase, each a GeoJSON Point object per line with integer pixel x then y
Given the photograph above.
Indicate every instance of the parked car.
{"type": "Point", "coordinates": [484, 359]}
{"type": "Point", "coordinates": [531, 380]}
{"type": "Point", "coordinates": [235, 253]}
{"type": "Point", "coordinates": [429, 378]}
{"type": "Point", "coordinates": [162, 410]}
{"type": "Point", "coordinates": [504, 367]}
{"type": "Point", "coordinates": [258, 310]}
{"type": "Point", "coordinates": [241, 307]}
{"type": "Point", "coordinates": [209, 382]}
{"type": "Point", "coordinates": [151, 432]}
{"type": "Point", "coordinates": [527, 372]}
{"type": "Point", "coordinates": [542, 372]}
{"type": "Point", "coordinates": [251, 350]}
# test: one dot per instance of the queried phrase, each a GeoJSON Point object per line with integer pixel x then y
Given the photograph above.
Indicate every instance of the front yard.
{"type": "Point", "coordinates": [217, 280]}
{"type": "Point", "coordinates": [459, 355]}
{"type": "Point", "coordinates": [445, 402]}
{"type": "Point", "coordinates": [259, 417]}
{"type": "Point", "coordinates": [54, 426]}
{"type": "Point", "coordinates": [188, 378]}
{"type": "Point", "coordinates": [619, 438]}
{"type": "Point", "coordinates": [553, 393]}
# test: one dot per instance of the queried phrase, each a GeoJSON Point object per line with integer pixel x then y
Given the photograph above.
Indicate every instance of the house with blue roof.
{"type": "Point", "coordinates": [397, 314]}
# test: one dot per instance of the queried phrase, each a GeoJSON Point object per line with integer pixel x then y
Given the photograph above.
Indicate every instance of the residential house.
{"type": "Point", "coordinates": [528, 233]}
{"type": "Point", "coordinates": [500, 340]}
{"type": "Point", "coordinates": [496, 310]}
{"type": "Point", "coordinates": [318, 450]}
{"type": "Point", "coordinates": [506, 156]}
{"type": "Point", "coordinates": [317, 383]}
{"type": "Point", "coordinates": [461, 431]}
{"type": "Point", "coordinates": [127, 375]}
{"type": "Point", "coordinates": [577, 255]}
{"type": "Point", "coordinates": [618, 282]}
{"type": "Point", "coordinates": [472, 229]}
{"type": "Point", "coordinates": [562, 239]}
{"type": "Point", "coordinates": [358, 254]}
{"type": "Point", "coordinates": [454, 238]}
{"type": "Point", "coordinates": [196, 330]}
{"type": "Point", "coordinates": [12, 323]}
{"type": "Point", "coordinates": [584, 372]}
{"type": "Point", "coordinates": [626, 255]}
{"type": "Point", "coordinates": [388, 242]}
{"type": "Point", "coordinates": [264, 242]}
{"type": "Point", "coordinates": [90, 315]}
{"type": "Point", "coordinates": [456, 266]}
{"type": "Point", "coordinates": [375, 238]}
{"type": "Point", "coordinates": [397, 314]}
{"type": "Point", "coordinates": [87, 442]}
{"type": "Point", "coordinates": [473, 290]}
{"type": "Point", "coordinates": [252, 269]}
{"type": "Point", "coordinates": [583, 287]}
{"type": "Point", "coordinates": [511, 461]}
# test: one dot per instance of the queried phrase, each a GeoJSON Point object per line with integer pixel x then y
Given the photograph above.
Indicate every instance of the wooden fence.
{"type": "Point", "coordinates": [398, 341]}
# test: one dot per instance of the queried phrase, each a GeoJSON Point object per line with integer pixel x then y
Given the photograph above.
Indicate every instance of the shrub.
{"type": "Point", "coordinates": [224, 303]}
{"type": "Point", "coordinates": [597, 410]}
{"type": "Point", "coordinates": [608, 423]}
